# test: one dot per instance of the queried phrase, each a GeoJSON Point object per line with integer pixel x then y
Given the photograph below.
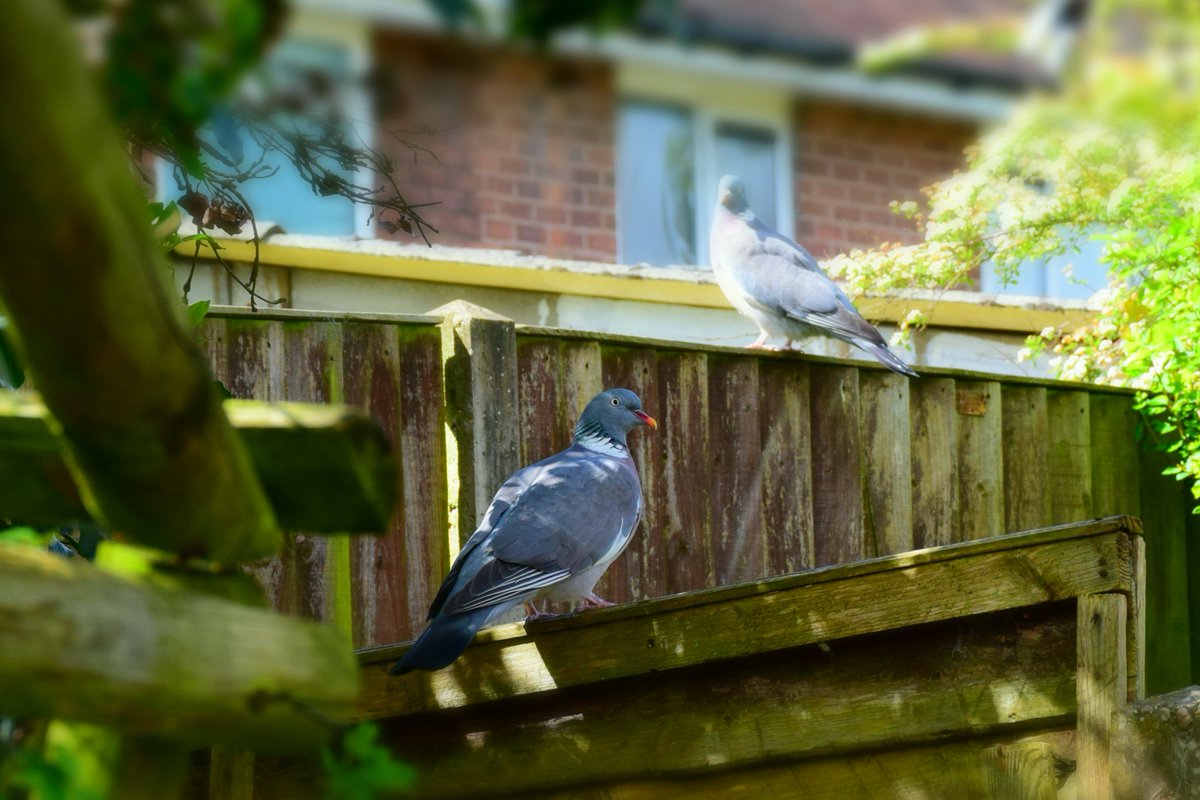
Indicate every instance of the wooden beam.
{"type": "Point", "coordinates": [1101, 687]}
{"type": "Point", "coordinates": [81, 643]}
{"type": "Point", "coordinates": [103, 336]}
{"type": "Point", "coordinates": [325, 469]}
{"type": "Point", "coordinates": [754, 618]}
{"type": "Point", "coordinates": [941, 683]}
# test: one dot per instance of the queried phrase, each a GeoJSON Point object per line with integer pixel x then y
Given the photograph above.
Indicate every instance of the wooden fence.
{"type": "Point", "coordinates": [763, 464]}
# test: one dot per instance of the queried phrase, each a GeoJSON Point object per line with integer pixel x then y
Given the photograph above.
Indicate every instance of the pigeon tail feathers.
{"type": "Point", "coordinates": [888, 358]}
{"type": "Point", "coordinates": [442, 642]}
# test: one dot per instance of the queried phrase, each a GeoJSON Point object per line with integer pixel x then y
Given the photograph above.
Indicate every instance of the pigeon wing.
{"type": "Point", "coordinates": [577, 509]}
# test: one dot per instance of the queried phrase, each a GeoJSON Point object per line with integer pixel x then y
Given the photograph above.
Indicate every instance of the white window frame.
{"type": "Point", "coordinates": [353, 34]}
{"type": "Point", "coordinates": [712, 101]}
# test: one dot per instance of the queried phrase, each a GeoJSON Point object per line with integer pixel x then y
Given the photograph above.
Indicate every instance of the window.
{"type": "Point", "coordinates": [334, 50]}
{"type": "Point", "coordinates": [1068, 276]}
{"type": "Point", "coordinates": [677, 134]}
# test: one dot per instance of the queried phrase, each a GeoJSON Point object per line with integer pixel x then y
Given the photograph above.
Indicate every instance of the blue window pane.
{"type": "Point", "coordinates": [656, 205]}
{"type": "Point", "coordinates": [749, 153]}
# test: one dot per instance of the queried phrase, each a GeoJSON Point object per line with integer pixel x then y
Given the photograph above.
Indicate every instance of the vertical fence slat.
{"type": "Point", "coordinates": [539, 377]}
{"type": "Point", "coordinates": [981, 460]}
{"type": "Point", "coordinates": [423, 463]}
{"type": "Point", "coordinates": [934, 426]}
{"type": "Point", "coordinates": [735, 474]}
{"type": "Point", "coordinates": [685, 503]}
{"type": "Point", "coordinates": [581, 371]}
{"type": "Point", "coordinates": [1024, 442]}
{"type": "Point", "coordinates": [1165, 504]}
{"type": "Point", "coordinates": [1069, 471]}
{"type": "Point", "coordinates": [836, 465]}
{"type": "Point", "coordinates": [1114, 455]}
{"type": "Point", "coordinates": [787, 482]}
{"type": "Point", "coordinates": [315, 580]}
{"type": "Point", "coordinates": [371, 362]}
{"type": "Point", "coordinates": [639, 571]}
{"type": "Point", "coordinates": [887, 462]}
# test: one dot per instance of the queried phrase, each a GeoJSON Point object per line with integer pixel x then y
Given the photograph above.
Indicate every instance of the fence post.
{"type": "Point", "coordinates": [479, 357]}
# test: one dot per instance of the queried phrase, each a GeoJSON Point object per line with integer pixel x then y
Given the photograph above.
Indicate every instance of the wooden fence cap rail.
{"type": "Point", "coordinates": [805, 608]}
{"type": "Point", "coordinates": [325, 469]}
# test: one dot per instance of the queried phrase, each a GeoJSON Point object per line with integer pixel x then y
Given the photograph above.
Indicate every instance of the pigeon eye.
{"type": "Point", "coordinates": [615, 402]}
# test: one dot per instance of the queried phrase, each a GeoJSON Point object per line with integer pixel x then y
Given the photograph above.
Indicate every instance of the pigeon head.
{"type": "Point", "coordinates": [609, 416]}
{"type": "Point", "coordinates": [731, 193]}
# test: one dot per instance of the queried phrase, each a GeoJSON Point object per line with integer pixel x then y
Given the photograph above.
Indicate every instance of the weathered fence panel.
{"type": "Point", "coordinates": [763, 464]}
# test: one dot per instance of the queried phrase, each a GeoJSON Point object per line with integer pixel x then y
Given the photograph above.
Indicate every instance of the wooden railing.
{"type": "Point", "coordinates": [764, 464]}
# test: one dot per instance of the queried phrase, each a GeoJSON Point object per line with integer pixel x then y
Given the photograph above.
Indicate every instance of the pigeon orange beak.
{"type": "Point", "coordinates": [646, 419]}
{"type": "Point", "coordinates": [724, 199]}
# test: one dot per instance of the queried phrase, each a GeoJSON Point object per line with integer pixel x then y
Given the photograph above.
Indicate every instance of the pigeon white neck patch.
{"type": "Point", "coordinates": [599, 443]}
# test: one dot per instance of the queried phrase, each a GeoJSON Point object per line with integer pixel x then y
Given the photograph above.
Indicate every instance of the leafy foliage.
{"type": "Point", "coordinates": [363, 769]}
{"type": "Point", "coordinates": [1114, 157]}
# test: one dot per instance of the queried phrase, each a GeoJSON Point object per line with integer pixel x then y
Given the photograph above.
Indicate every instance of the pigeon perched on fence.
{"type": "Point", "coordinates": [779, 285]}
{"type": "Point", "coordinates": [550, 532]}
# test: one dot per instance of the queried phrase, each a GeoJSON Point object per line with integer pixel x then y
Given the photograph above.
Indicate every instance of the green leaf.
{"type": "Point", "coordinates": [197, 311]}
{"type": "Point", "coordinates": [12, 374]}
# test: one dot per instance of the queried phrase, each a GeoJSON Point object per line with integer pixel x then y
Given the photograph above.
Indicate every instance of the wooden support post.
{"type": "Point", "coordinates": [231, 775]}
{"type": "Point", "coordinates": [1101, 686]}
{"type": "Point", "coordinates": [150, 769]}
{"type": "Point", "coordinates": [479, 355]}
{"type": "Point", "coordinates": [1020, 771]}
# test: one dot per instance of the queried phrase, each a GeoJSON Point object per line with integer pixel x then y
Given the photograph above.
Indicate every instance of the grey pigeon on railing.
{"type": "Point", "coordinates": [551, 531]}
{"type": "Point", "coordinates": [779, 285]}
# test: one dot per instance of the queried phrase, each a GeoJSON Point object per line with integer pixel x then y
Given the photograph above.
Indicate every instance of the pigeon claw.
{"type": "Point", "coordinates": [593, 600]}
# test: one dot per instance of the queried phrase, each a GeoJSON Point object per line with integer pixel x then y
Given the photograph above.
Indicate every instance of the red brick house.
{"type": "Point", "coordinates": [609, 149]}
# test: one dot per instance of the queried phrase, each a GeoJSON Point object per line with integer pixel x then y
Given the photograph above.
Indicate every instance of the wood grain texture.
{"type": "Point", "coordinates": [735, 470]}
{"type": "Point", "coordinates": [785, 407]}
{"type": "Point", "coordinates": [1165, 504]}
{"type": "Point", "coordinates": [685, 496]}
{"type": "Point", "coordinates": [837, 469]}
{"type": "Point", "coordinates": [1025, 435]}
{"type": "Point", "coordinates": [231, 775]}
{"type": "Point", "coordinates": [371, 365]}
{"type": "Point", "coordinates": [887, 462]}
{"type": "Point", "coordinates": [1024, 770]}
{"type": "Point", "coordinates": [1100, 686]}
{"type": "Point", "coordinates": [980, 459]}
{"type": "Point", "coordinates": [1070, 465]}
{"type": "Point", "coordinates": [737, 621]}
{"type": "Point", "coordinates": [1011, 671]}
{"type": "Point", "coordinates": [934, 457]}
{"type": "Point", "coordinates": [946, 770]}
{"type": "Point", "coordinates": [1114, 455]}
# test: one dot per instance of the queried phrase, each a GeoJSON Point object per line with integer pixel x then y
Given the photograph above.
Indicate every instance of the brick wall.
{"type": "Point", "coordinates": [851, 162]}
{"type": "Point", "coordinates": [524, 152]}
{"type": "Point", "coordinates": [520, 148]}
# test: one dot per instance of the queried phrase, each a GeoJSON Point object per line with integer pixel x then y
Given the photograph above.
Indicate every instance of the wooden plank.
{"type": "Point", "coordinates": [836, 466]}
{"type": "Point", "coordinates": [729, 623]}
{"type": "Point", "coordinates": [939, 682]}
{"type": "Point", "coordinates": [1024, 445]}
{"type": "Point", "coordinates": [1114, 456]}
{"type": "Point", "coordinates": [1165, 504]}
{"type": "Point", "coordinates": [425, 554]}
{"type": "Point", "coordinates": [1069, 471]}
{"type": "Point", "coordinates": [944, 770]}
{"type": "Point", "coordinates": [934, 457]}
{"type": "Point", "coordinates": [150, 768]}
{"type": "Point", "coordinates": [980, 459]}
{"type": "Point", "coordinates": [479, 354]}
{"type": "Point", "coordinates": [231, 775]}
{"type": "Point", "coordinates": [1101, 687]}
{"type": "Point", "coordinates": [887, 462]}
{"type": "Point", "coordinates": [735, 469]}
{"type": "Point", "coordinates": [684, 498]}
{"type": "Point", "coordinates": [1024, 770]}
{"type": "Point", "coordinates": [785, 404]}
{"type": "Point", "coordinates": [322, 465]}
{"type": "Point", "coordinates": [539, 376]}
{"type": "Point", "coordinates": [640, 571]}
{"type": "Point", "coordinates": [314, 577]}
{"type": "Point", "coordinates": [163, 660]}
{"type": "Point", "coordinates": [371, 369]}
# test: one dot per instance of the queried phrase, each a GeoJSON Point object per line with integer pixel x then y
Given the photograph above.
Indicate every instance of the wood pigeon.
{"type": "Point", "coordinates": [550, 532]}
{"type": "Point", "coordinates": [779, 285]}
